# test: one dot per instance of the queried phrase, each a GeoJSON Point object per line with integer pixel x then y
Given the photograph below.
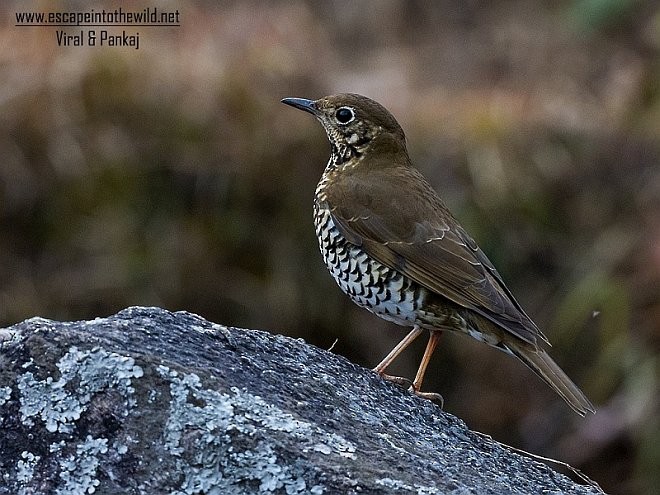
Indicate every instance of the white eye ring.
{"type": "Point", "coordinates": [344, 115]}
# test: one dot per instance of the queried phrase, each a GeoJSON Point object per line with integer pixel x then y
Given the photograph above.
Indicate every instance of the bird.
{"type": "Point", "coordinates": [392, 245]}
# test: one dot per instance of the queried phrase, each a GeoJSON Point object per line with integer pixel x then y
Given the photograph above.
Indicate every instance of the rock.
{"type": "Point", "coordinates": [149, 401]}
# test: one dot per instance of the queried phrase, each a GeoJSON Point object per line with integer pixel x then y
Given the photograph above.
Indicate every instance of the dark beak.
{"type": "Point", "coordinates": [301, 104]}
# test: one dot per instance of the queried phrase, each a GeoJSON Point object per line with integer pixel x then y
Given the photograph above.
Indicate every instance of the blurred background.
{"type": "Point", "coordinates": [172, 176]}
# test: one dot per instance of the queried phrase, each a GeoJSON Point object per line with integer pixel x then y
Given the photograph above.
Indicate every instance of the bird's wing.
{"type": "Point", "coordinates": [415, 234]}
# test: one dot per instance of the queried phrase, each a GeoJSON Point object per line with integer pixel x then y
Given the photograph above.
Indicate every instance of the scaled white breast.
{"type": "Point", "coordinates": [367, 282]}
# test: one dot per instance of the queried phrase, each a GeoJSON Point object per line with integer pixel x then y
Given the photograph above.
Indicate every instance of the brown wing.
{"type": "Point", "coordinates": [416, 234]}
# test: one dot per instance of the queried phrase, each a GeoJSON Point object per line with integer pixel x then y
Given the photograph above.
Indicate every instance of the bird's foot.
{"type": "Point", "coordinates": [408, 384]}
{"type": "Point", "coordinates": [397, 380]}
{"type": "Point", "coordinates": [432, 396]}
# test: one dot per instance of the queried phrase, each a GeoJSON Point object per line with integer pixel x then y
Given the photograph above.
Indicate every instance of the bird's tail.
{"type": "Point", "coordinates": [542, 364]}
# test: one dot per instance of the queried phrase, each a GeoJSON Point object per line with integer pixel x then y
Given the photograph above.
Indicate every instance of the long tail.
{"type": "Point", "coordinates": [542, 364]}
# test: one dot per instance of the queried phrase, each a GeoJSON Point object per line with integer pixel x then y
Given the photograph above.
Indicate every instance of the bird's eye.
{"type": "Point", "coordinates": [344, 115]}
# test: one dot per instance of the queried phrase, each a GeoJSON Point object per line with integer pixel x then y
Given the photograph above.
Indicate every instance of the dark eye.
{"type": "Point", "coordinates": [344, 115]}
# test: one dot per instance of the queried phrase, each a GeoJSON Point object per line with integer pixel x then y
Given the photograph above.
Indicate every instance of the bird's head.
{"type": "Point", "coordinates": [354, 124]}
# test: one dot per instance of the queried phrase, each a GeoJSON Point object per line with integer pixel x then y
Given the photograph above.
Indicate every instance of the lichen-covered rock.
{"type": "Point", "coordinates": [149, 401]}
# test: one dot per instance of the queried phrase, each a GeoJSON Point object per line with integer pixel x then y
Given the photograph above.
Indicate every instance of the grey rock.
{"type": "Point", "coordinates": [150, 401]}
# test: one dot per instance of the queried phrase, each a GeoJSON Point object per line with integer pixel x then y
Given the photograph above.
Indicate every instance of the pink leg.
{"type": "Point", "coordinates": [407, 340]}
{"type": "Point", "coordinates": [434, 338]}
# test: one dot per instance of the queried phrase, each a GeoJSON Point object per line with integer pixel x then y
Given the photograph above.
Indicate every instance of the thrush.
{"type": "Point", "coordinates": [394, 248]}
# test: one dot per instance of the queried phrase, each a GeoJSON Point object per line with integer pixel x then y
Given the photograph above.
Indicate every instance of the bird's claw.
{"type": "Point", "coordinates": [408, 384]}
{"type": "Point", "coordinates": [397, 380]}
{"type": "Point", "coordinates": [432, 396]}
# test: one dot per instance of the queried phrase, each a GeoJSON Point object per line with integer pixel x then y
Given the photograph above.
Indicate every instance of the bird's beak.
{"type": "Point", "coordinates": [302, 104]}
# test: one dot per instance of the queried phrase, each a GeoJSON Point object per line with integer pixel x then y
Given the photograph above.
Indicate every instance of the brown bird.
{"type": "Point", "coordinates": [395, 249]}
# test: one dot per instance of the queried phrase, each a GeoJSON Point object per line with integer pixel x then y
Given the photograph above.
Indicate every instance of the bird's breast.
{"type": "Point", "coordinates": [366, 281]}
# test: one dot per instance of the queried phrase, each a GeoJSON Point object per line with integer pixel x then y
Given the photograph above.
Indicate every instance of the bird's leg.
{"type": "Point", "coordinates": [434, 338]}
{"type": "Point", "coordinates": [398, 349]}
